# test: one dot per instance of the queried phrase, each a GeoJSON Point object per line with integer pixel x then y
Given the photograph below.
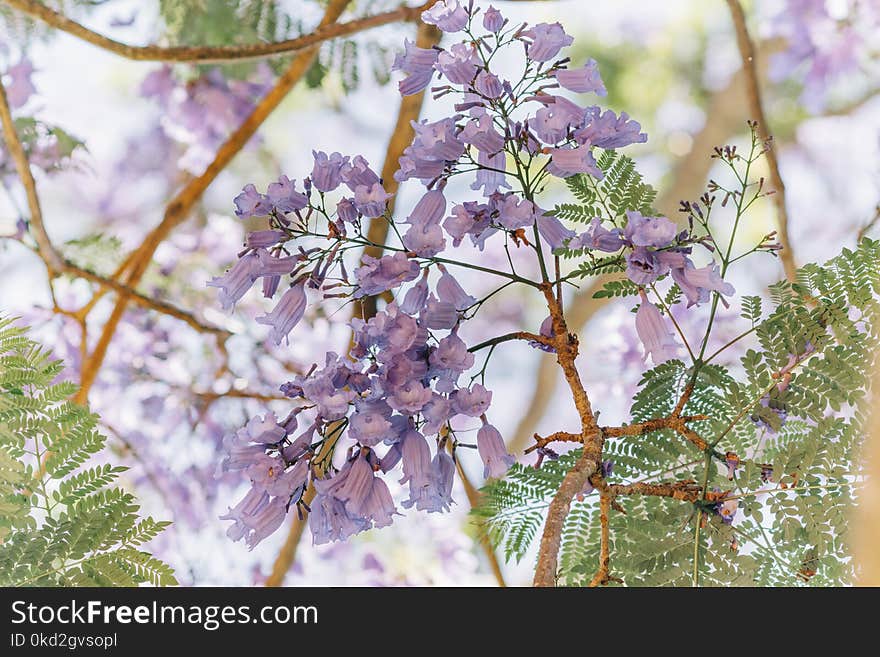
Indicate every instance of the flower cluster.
{"type": "Point", "coordinates": [823, 47]}
{"type": "Point", "coordinates": [403, 386]}
{"type": "Point", "coordinates": [200, 113]}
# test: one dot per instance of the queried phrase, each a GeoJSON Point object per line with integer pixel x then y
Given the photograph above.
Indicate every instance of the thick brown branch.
{"type": "Point", "coordinates": [756, 107]}
{"type": "Point", "coordinates": [204, 54]}
{"type": "Point", "coordinates": [572, 484]}
{"type": "Point", "coordinates": [579, 311]}
{"type": "Point", "coordinates": [180, 206]}
{"type": "Point", "coordinates": [44, 246]}
{"type": "Point", "coordinates": [566, 345]}
{"type": "Point", "coordinates": [601, 576]}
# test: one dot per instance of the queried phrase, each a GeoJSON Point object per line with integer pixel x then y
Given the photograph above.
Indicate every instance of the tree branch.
{"type": "Point", "coordinates": [203, 54]}
{"type": "Point", "coordinates": [143, 300]}
{"type": "Point", "coordinates": [44, 246]}
{"type": "Point", "coordinates": [756, 107]}
{"type": "Point", "coordinates": [601, 576]}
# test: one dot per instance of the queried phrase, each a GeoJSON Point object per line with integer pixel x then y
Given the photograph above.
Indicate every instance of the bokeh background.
{"type": "Point", "coordinates": [131, 133]}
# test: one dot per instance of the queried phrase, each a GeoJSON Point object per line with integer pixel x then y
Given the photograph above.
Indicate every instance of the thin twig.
{"type": "Point", "coordinates": [287, 554]}
{"type": "Point", "coordinates": [143, 300]}
{"type": "Point", "coordinates": [203, 54]}
{"type": "Point", "coordinates": [756, 106]}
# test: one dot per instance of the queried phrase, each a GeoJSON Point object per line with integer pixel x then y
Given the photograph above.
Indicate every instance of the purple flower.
{"type": "Point", "coordinates": [450, 291]}
{"type": "Point", "coordinates": [491, 175]}
{"type": "Point", "coordinates": [330, 521]}
{"type": "Point", "coordinates": [493, 21]}
{"type": "Point", "coordinates": [332, 403]}
{"type": "Point", "coordinates": [488, 84]}
{"type": "Point", "coordinates": [472, 402]}
{"type": "Point", "coordinates": [434, 146]}
{"type": "Point", "coordinates": [467, 219]}
{"type": "Point", "coordinates": [545, 40]}
{"type": "Point", "coordinates": [766, 473]}
{"type": "Point", "coordinates": [553, 232]}
{"type": "Point", "coordinates": [727, 510]}
{"type": "Point", "coordinates": [409, 397]}
{"type": "Point", "coordinates": [255, 517]}
{"type": "Point", "coordinates": [481, 132]}
{"type": "Point", "coordinates": [286, 314]}
{"type": "Point", "coordinates": [371, 201]}
{"type": "Point", "coordinates": [416, 297]}
{"type": "Point", "coordinates": [439, 315]}
{"type": "Point", "coordinates": [20, 87]}
{"type": "Point", "coordinates": [490, 444]}
{"type": "Point", "coordinates": [732, 462]}
{"type": "Point", "coordinates": [378, 275]}
{"type": "Point", "coordinates": [425, 237]}
{"type": "Point", "coordinates": [368, 428]}
{"type": "Point", "coordinates": [418, 63]}
{"type": "Point", "coordinates": [237, 280]}
{"type": "Point", "coordinates": [644, 266]}
{"type": "Point", "coordinates": [447, 15]}
{"type": "Point", "coordinates": [515, 212]}
{"type": "Point", "coordinates": [598, 237]}
{"type": "Point", "coordinates": [436, 413]}
{"type": "Point", "coordinates": [425, 240]}
{"type": "Point", "coordinates": [284, 197]}
{"type": "Point", "coordinates": [364, 494]}
{"type": "Point", "coordinates": [449, 360]}
{"type": "Point", "coordinates": [260, 239]}
{"type": "Point", "coordinates": [697, 283]}
{"type": "Point", "coordinates": [459, 63]}
{"type": "Point", "coordinates": [656, 338]}
{"type": "Point", "coordinates": [546, 330]}
{"type": "Point", "coordinates": [585, 79]}
{"type": "Point", "coordinates": [606, 130]}
{"type": "Point", "coordinates": [649, 231]}
{"type": "Point", "coordinates": [440, 495]}
{"type": "Point", "coordinates": [327, 171]}
{"type": "Point", "coordinates": [565, 162]}
{"type": "Point", "coordinates": [264, 430]}
{"type": "Point", "coordinates": [250, 203]}
{"type": "Point", "coordinates": [346, 210]}
{"type": "Point", "coordinates": [357, 173]}
{"type": "Point", "coordinates": [559, 115]}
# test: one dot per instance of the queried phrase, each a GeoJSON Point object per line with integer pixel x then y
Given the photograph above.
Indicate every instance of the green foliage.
{"type": "Point", "coordinates": [61, 521]}
{"type": "Point", "coordinates": [621, 189]}
{"type": "Point", "coordinates": [619, 288]}
{"type": "Point", "coordinates": [796, 405]}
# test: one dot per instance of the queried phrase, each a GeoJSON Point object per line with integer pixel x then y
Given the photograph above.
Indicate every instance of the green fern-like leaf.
{"type": "Point", "coordinates": [61, 521]}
